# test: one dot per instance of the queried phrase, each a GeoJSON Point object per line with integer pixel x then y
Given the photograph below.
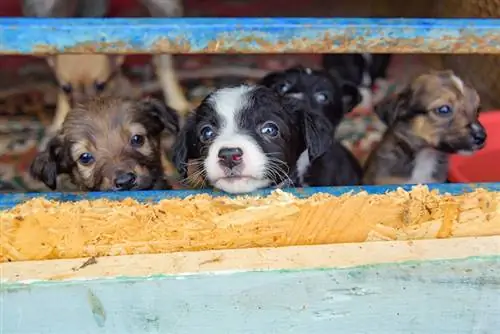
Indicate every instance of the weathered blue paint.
{"type": "Point", "coordinates": [248, 35]}
{"type": "Point", "coordinates": [459, 296]}
{"type": "Point", "coordinates": [9, 200]}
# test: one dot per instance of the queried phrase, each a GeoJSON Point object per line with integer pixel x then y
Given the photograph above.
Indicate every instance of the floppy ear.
{"type": "Point", "coordinates": [351, 96]}
{"type": "Point", "coordinates": [51, 162]}
{"type": "Point", "coordinates": [184, 147]}
{"type": "Point", "coordinates": [270, 79]}
{"type": "Point", "coordinates": [317, 130]}
{"type": "Point", "coordinates": [394, 108]}
{"type": "Point", "coordinates": [160, 117]}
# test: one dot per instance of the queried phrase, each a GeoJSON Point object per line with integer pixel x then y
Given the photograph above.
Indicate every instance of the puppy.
{"type": "Point", "coordinates": [361, 69]}
{"type": "Point", "coordinates": [244, 138]}
{"type": "Point", "coordinates": [435, 116]}
{"type": "Point", "coordinates": [325, 93]}
{"type": "Point", "coordinates": [84, 76]}
{"type": "Point", "coordinates": [109, 143]}
{"type": "Point", "coordinates": [93, 74]}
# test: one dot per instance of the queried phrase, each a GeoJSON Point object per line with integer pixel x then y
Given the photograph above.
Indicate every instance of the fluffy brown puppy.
{"type": "Point", "coordinates": [109, 144]}
{"type": "Point", "coordinates": [435, 116]}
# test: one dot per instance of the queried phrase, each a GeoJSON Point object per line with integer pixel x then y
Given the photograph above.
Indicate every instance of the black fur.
{"type": "Point", "coordinates": [353, 66]}
{"type": "Point", "coordinates": [332, 165]}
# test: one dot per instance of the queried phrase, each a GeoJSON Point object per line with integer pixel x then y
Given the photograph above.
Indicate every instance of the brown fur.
{"type": "Point", "coordinates": [83, 76]}
{"type": "Point", "coordinates": [418, 135]}
{"type": "Point", "coordinates": [104, 127]}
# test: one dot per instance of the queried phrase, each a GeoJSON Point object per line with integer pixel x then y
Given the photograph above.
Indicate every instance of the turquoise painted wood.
{"type": "Point", "coordinates": [247, 35]}
{"type": "Point", "coordinates": [431, 297]}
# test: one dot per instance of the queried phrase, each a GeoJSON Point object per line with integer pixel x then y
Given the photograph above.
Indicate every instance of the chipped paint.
{"type": "Point", "coordinates": [247, 35]}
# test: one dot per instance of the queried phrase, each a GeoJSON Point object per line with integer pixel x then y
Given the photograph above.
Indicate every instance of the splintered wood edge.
{"type": "Point", "coordinates": [283, 258]}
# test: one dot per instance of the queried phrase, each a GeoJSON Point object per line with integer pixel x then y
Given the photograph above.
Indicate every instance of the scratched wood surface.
{"type": "Point", "coordinates": [425, 286]}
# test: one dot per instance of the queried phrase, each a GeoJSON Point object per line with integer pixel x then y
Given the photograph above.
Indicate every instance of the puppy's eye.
{"type": "Point", "coordinates": [86, 159]}
{"type": "Point", "coordinates": [444, 110]}
{"type": "Point", "coordinates": [322, 97]}
{"type": "Point", "coordinates": [67, 88]}
{"type": "Point", "coordinates": [206, 133]}
{"type": "Point", "coordinates": [284, 87]}
{"type": "Point", "coordinates": [99, 86]}
{"type": "Point", "coordinates": [270, 129]}
{"type": "Point", "coordinates": [137, 141]}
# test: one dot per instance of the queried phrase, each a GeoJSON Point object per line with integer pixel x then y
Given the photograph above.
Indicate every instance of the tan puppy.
{"type": "Point", "coordinates": [435, 116]}
{"type": "Point", "coordinates": [109, 143]}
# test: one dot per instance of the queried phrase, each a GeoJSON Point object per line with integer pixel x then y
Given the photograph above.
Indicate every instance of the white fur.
{"type": "Point", "coordinates": [302, 166]}
{"type": "Point", "coordinates": [425, 164]}
{"type": "Point", "coordinates": [228, 103]}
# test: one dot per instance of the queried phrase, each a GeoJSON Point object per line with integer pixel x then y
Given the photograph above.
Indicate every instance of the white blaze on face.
{"type": "Point", "coordinates": [228, 104]}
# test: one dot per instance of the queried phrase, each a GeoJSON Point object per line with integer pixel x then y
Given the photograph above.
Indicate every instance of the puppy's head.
{"type": "Point", "coordinates": [321, 90]}
{"type": "Point", "coordinates": [439, 110]}
{"type": "Point", "coordinates": [84, 76]}
{"type": "Point", "coordinates": [248, 137]}
{"type": "Point", "coordinates": [108, 144]}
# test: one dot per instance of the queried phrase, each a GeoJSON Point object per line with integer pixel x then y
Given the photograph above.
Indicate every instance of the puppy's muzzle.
{"type": "Point", "coordinates": [125, 181]}
{"type": "Point", "coordinates": [230, 157]}
{"type": "Point", "coordinates": [478, 134]}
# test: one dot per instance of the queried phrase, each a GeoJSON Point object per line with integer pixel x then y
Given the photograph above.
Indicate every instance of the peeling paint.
{"type": "Point", "coordinates": [248, 35]}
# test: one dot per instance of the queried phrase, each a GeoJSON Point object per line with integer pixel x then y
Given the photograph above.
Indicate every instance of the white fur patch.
{"type": "Point", "coordinates": [308, 71]}
{"type": "Point", "coordinates": [302, 165]}
{"type": "Point", "coordinates": [425, 164]}
{"type": "Point", "coordinates": [228, 103]}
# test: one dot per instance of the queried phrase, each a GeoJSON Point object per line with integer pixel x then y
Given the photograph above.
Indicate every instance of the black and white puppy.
{"type": "Point", "coordinates": [361, 69]}
{"type": "Point", "coordinates": [323, 92]}
{"type": "Point", "coordinates": [245, 138]}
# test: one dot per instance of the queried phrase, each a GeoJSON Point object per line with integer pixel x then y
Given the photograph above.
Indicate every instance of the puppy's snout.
{"type": "Point", "coordinates": [125, 181]}
{"type": "Point", "coordinates": [478, 134]}
{"type": "Point", "coordinates": [230, 156]}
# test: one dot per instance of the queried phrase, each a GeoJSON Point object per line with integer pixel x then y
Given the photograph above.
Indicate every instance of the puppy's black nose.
{"type": "Point", "coordinates": [230, 156]}
{"type": "Point", "coordinates": [478, 134]}
{"type": "Point", "coordinates": [125, 181]}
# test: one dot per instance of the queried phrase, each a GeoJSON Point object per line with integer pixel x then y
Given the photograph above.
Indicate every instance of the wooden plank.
{"type": "Point", "coordinates": [460, 296]}
{"type": "Point", "coordinates": [248, 35]}
{"type": "Point", "coordinates": [254, 259]}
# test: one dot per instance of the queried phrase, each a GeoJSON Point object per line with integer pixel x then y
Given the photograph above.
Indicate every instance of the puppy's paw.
{"type": "Point", "coordinates": [180, 104]}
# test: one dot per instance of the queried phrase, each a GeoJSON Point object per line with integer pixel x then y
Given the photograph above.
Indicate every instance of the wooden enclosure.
{"type": "Point", "coordinates": [426, 286]}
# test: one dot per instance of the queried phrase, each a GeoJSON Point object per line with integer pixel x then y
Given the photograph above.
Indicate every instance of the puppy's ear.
{"type": "Point", "coordinates": [394, 108]}
{"type": "Point", "coordinates": [159, 116]}
{"type": "Point", "coordinates": [270, 79]}
{"type": "Point", "coordinates": [185, 146]}
{"type": "Point", "coordinates": [351, 96]}
{"type": "Point", "coordinates": [317, 130]}
{"type": "Point", "coordinates": [48, 164]}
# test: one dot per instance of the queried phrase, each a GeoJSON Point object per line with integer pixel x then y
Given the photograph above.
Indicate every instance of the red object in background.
{"type": "Point", "coordinates": [484, 165]}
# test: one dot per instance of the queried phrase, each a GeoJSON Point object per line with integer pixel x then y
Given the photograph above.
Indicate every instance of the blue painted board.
{"type": "Point", "coordinates": [459, 296]}
{"type": "Point", "coordinates": [10, 200]}
{"type": "Point", "coordinates": [248, 35]}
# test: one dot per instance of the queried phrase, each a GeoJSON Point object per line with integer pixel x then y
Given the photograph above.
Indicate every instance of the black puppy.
{"type": "Point", "coordinates": [244, 138]}
{"type": "Point", "coordinates": [324, 93]}
{"type": "Point", "coordinates": [362, 69]}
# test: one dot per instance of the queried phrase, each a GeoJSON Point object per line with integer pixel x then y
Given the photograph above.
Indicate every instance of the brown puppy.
{"type": "Point", "coordinates": [109, 143]}
{"type": "Point", "coordinates": [83, 76]}
{"type": "Point", "coordinates": [436, 115]}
